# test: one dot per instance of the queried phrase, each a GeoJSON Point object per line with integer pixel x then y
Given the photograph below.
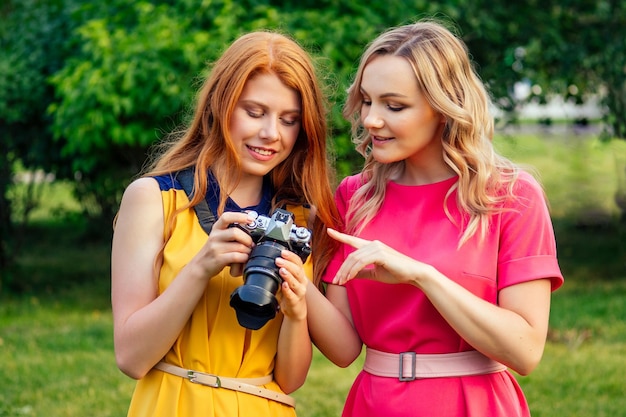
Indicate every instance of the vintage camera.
{"type": "Point", "coordinates": [255, 301]}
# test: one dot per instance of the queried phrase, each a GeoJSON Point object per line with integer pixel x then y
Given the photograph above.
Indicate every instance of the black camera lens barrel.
{"type": "Point", "coordinates": [255, 302]}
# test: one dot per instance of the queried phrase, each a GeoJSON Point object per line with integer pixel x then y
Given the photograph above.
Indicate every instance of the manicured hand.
{"type": "Point", "coordinates": [375, 260]}
{"type": "Point", "coordinates": [295, 281]}
{"type": "Point", "coordinates": [225, 246]}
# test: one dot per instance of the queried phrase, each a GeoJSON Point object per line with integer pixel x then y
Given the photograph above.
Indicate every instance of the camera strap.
{"type": "Point", "coordinates": [203, 211]}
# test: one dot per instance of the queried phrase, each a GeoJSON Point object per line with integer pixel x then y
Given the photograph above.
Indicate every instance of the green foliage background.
{"type": "Point", "coordinates": [87, 87]}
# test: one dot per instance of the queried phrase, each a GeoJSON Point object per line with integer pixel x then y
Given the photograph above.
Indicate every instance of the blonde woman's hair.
{"type": "Point", "coordinates": [445, 75]}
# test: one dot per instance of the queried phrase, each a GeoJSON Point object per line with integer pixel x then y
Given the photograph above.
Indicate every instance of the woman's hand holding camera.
{"type": "Point", "coordinates": [295, 281]}
{"type": "Point", "coordinates": [226, 246]}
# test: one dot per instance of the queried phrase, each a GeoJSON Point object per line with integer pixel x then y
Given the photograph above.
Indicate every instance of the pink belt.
{"type": "Point", "coordinates": [407, 366]}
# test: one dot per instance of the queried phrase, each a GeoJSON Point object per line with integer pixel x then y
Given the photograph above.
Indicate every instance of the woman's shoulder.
{"type": "Point", "coordinates": [140, 196]}
{"type": "Point", "coordinates": [521, 191]}
{"type": "Point", "coordinates": [352, 183]}
{"type": "Point", "coordinates": [150, 188]}
{"type": "Point", "coordinates": [142, 186]}
{"type": "Point", "coordinates": [526, 183]}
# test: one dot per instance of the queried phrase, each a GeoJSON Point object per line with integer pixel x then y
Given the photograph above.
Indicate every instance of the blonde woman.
{"type": "Point", "coordinates": [448, 256]}
{"type": "Point", "coordinates": [257, 142]}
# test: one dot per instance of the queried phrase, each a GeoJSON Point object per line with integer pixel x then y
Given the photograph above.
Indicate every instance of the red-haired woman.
{"type": "Point", "coordinates": [257, 142]}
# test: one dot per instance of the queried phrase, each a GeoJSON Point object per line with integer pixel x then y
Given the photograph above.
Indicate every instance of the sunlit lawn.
{"type": "Point", "coordinates": [58, 361]}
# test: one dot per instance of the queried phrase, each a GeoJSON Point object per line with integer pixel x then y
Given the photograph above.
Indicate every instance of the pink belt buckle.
{"type": "Point", "coordinates": [401, 376]}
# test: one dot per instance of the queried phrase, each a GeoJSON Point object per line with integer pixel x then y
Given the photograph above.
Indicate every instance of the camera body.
{"type": "Point", "coordinates": [255, 301]}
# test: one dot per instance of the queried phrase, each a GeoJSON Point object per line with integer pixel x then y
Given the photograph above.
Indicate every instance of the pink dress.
{"type": "Point", "coordinates": [520, 246]}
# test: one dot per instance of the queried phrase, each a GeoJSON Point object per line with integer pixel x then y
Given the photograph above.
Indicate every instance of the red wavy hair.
{"type": "Point", "coordinates": [304, 178]}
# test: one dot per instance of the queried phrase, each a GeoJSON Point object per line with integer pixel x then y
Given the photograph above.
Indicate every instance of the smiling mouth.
{"type": "Point", "coordinates": [380, 138]}
{"type": "Point", "coordinates": [261, 151]}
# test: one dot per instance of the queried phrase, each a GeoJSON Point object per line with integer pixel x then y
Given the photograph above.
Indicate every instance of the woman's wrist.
{"type": "Point", "coordinates": [298, 317]}
{"type": "Point", "coordinates": [422, 275]}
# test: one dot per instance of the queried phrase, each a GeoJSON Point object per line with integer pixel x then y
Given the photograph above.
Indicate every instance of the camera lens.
{"type": "Point", "coordinates": [255, 302]}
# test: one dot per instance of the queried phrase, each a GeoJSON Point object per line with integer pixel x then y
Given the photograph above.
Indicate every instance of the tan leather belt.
{"type": "Point", "coordinates": [407, 366]}
{"type": "Point", "coordinates": [247, 385]}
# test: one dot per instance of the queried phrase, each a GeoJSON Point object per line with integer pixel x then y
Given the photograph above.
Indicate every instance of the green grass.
{"type": "Point", "coordinates": [581, 373]}
{"type": "Point", "coordinates": [580, 175]}
{"type": "Point", "coordinates": [58, 360]}
{"type": "Point", "coordinates": [56, 349]}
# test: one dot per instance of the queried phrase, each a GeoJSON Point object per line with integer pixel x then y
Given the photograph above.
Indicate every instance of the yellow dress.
{"type": "Point", "coordinates": [212, 341]}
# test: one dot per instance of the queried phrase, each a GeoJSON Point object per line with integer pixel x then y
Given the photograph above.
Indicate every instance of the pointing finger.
{"type": "Point", "coordinates": [355, 242]}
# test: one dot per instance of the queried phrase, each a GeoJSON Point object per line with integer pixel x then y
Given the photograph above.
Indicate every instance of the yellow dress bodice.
{"type": "Point", "coordinates": [212, 341]}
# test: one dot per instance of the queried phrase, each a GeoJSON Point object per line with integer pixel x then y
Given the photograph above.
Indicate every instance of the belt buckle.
{"type": "Point", "coordinates": [401, 376]}
{"type": "Point", "coordinates": [192, 377]}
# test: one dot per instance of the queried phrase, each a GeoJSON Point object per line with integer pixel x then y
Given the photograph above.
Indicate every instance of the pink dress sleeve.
{"type": "Point", "coordinates": [527, 247]}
